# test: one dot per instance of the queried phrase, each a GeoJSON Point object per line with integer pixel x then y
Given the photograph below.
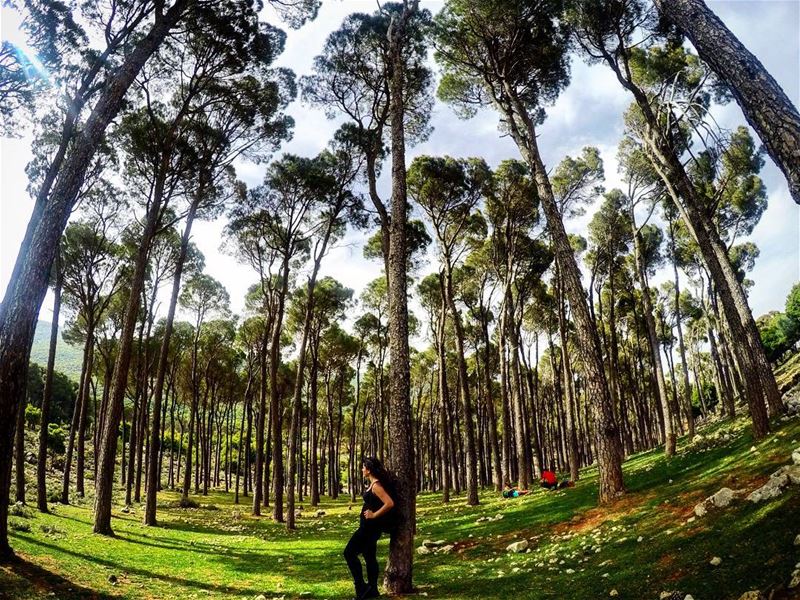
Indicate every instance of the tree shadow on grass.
{"type": "Point", "coordinates": [180, 581]}
{"type": "Point", "coordinates": [33, 577]}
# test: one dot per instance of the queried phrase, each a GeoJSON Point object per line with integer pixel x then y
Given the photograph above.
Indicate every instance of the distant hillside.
{"type": "Point", "coordinates": [68, 358]}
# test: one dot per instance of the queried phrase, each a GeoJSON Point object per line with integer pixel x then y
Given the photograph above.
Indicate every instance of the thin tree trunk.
{"type": "Point", "coordinates": [47, 397]}
{"type": "Point", "coordinates": [153, 473]}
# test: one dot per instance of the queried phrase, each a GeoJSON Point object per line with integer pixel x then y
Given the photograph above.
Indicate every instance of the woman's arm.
{"type": "Point", "coordinates": [388, 503]}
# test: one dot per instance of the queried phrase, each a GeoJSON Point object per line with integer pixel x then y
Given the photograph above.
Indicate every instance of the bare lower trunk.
{"type": "Point", "coordinates": [464, 391]}
{"type": "Point", "coordinates": [47, 398]}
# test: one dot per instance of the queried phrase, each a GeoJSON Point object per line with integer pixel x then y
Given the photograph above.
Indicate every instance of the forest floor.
{"type": "Point", "coordinates": [646, 543]}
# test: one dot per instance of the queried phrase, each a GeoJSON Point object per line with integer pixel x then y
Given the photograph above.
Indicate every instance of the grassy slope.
{"type": "Point", "coordinates": [223, 553]}
{"type": "Point", "coordinates": [69, 358]}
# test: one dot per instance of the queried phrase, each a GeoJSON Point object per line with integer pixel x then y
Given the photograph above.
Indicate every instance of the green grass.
{"type": "Point", "coordinates": [225, 553]}
{"type": "Point", "coordinates": [787, 375]}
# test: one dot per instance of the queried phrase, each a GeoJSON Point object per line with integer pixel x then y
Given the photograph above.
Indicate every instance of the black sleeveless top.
{"type": "Point", "coordinates": [373, 503]}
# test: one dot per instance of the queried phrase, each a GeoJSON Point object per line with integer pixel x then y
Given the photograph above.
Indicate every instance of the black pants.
{"type": "Point", "coordinates": [363, 541]}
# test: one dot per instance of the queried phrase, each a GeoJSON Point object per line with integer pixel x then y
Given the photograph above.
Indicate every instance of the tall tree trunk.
{"type": "Point", "coordinates": [73, 428]}
{"type": "Point", "coordinates": [765, 105]}
{"type": "Point", "coordinates": [398, 575]}
{"type": "Point", "coordinates": [104, 486]}
{"type": "Point", "coordinates": [274, 395]}
{"type": "Point", "coordinates": [572, 437]}
{"type": "Point", "coordinates": [25, 292]}
{"type": "Point", "coordinates": [47, 397]}
{"type": "Point", "coordinates": [607, 442]}
{"type": "Point", "coordinates": [82, 417]}
{"type": "Point", "coordinates": [258, 477]}
{"type": "Point", "coordinates": [670, 439]}
{"type": "Point", "coordinates": [153, 472]}
{"type": "Point", "coordinates": [687, 387]}
{"type": "Point", "coordinates": [497, 474]}
{"type": "Point", "coordinates": [464, 391]}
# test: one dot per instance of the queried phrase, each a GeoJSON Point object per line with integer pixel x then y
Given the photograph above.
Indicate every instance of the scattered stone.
{"type": "Point", "coordinates": [423, 550]}
{"type": "Point", "coordinates": [724, 497]}
{"type": "Point", "coordinates": [613, 593]}
{"type": "Point", "coordinates": [446, 549]}
{"type": "Point", "coordinates": [791, 471]}
{"type": "Point", "coordinates": [796, 457]}
{"type": "Point", "coordinates": [688, 597]}
{"type": "Point", "coordinates": [715, 562]}
{"type": "Point", "coordinates": [752, 595]}
{"type": "Point", "coordinates": [797, 540]}
{"type": "Point", "coordinates": [795, 582]}
{"type": "Point", "coordinates": [520, 546]}
{"type": "Point", "coordinates": [112, 579]}
{"type": "Point", "coordinates": [640, 539]}
{"type": "Point", "coordinates": [31, 458]}
{"type": "Point", "coordinates": [719, 500]}
{"type": "Point", "coordinates": [772, 489]}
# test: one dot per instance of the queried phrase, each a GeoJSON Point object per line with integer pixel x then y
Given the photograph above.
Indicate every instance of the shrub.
{"type": "Point", "coordinates": [33, 416]}
{"type": "Point", "coordinates": [20, 510]}
{"type": "Point", "coordinates": [56, 438]}
{"type": "Point", "coordinates": [15, 525]}
{"type": "Point", "coordinates": [51, 530]}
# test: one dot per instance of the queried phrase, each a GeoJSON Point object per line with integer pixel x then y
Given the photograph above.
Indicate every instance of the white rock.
{"type": "Point", "coordinates": [790, 471]}
{"type": "Point", "coordinates": [688, 597]}
{"type": "Point", "coordinates": [772, 489]}
{"type": "Point", "coordinates": [751, 595]}
{"type": "Point", "coordinates": [423, 550]}
{"type": "Point", "coordinates": [796, 457]}
{"type": "Point", "coordinates": [797, 540]}
{"type": "Point", "coordinates": [446, 549]}
{"type": "Point", "coordinates": [613, 593]}
{"type": "Point", "coordinates": [795, 582]}
{"type": "Point", "coordinates": [723, 497]}
{"type": "Point", "coordinates": [715, 562]}
{"type": "Point", "coordinates": [519, 546]}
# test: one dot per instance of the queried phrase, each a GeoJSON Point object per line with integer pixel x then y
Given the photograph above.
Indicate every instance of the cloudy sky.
{"type": "Point", "coordinates": [589, 112]}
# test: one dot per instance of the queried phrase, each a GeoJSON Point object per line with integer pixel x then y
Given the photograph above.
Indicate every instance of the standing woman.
{"type": "Point", "coordinates": [376, 517]}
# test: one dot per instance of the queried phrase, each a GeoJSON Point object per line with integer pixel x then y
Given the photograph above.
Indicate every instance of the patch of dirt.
{"type": "Point", "coordinates": [594, 517]}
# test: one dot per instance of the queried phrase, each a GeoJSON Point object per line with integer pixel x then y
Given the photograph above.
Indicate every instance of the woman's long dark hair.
{"type": "Point", "coordinates": [382, 474]}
